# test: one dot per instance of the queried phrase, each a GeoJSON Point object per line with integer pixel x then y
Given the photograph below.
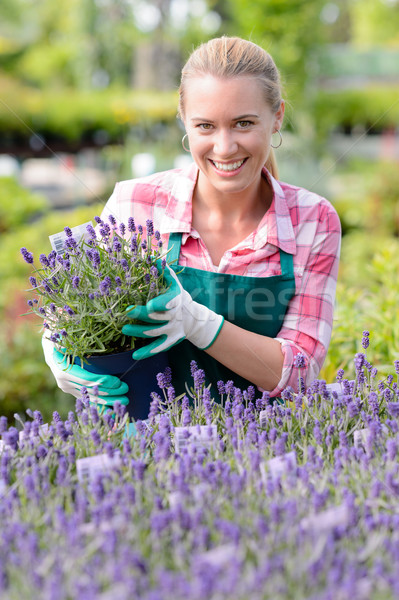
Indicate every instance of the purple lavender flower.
{"type": "Point", "coordinates": [95, 436]}
{"type": "Point", "coordinates": [11, 437]}
{"type": "Point", "coordinates": [199, 378]}
{"type": "Point", "coordinates": [3, 424]}
{"type": "Point", "coordinates": [186, 417]}
{"type": "Point", "coordinates": [68, 310]}
{"type": "Point", "coordinates": [150, 227]}
{"type": "Point", "coordinates": [359, 360]}
{"type": "Point", "coordinates": [33, 281]}
{"type": "Point", "coordinates": [44, 260]}
{"type": "Point", "coordinates": [70, 243]}
{"type": "Point", "coordinates": [300, 361]}
{"type": "Point", "coordinates": [75, 281]}
{"type": "Point", "coordinates": [131, 225]}
{"type": "Point", "coordinates": [27, 256]}
{"type": "Point", "coordinates": [117, 246]}
{"type": "Point", "coordinates": [112, 220]}
{"type": "Point", "coordinates": [365, 340]}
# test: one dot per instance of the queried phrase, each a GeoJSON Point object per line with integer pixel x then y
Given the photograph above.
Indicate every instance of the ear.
{"type": "Point", "coordinates": [279, 116]}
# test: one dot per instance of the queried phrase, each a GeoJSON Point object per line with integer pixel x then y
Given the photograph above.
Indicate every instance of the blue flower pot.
{"type": "Point", "coordinates": [140, 375]}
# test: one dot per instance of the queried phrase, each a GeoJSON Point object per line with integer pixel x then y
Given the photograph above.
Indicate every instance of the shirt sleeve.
{"type": "Point", "coordinates": [308, 322]}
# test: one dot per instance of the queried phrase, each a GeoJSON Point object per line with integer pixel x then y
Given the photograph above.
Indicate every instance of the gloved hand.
{"type": "Point", "coordinates": [172, 317]}
{"type": "Point", "coordinates": [71, 379]}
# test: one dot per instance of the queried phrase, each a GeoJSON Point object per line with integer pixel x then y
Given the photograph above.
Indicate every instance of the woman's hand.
{"type": "Point", "coordinates": [172, 317]}
{"type": "Point", "coordinates": [71, 379]}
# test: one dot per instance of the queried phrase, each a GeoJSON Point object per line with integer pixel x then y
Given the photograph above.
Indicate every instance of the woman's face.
{"type": "Point", "coordinates": [229, 126]}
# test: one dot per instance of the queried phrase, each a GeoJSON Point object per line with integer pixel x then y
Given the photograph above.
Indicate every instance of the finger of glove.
{"type": "Point", "coordinates": [143, 331]}
{"type": "Point", "coordinates": [100, 402]}
{"type": "Point", "coordinates": [161, 344]}
{"type": "Point", "coordinates": [163, 301]}
{"type": "Point", "coordinates": [150, 349]}
{"type": "Point", "coordinates": [137, 311]}
{"type": "Point", "coordinates": [143, 315]}
{"type": "Point", "coordinates": [78, 377]}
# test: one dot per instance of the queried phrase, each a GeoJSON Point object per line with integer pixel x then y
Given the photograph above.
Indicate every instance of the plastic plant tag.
{"type": "Point", "coordinates": [360, 437]}
{"type": "Point", "coordinates": [94, 466]}
{"type": "Point", "coordinates": [277, 466]}
{"type": "Point", "coordinates": [263, 419]}
{"type": "Point", "coordinates": [43, 432]}
{"type": "Point", "coordinates": [57, 239]}
{"type": "Point", "coordinates": [195, 436]}
{"type": "Point", "coordinates": [327, 520]}
{"type": "Point", "coordinates": [220, 556]}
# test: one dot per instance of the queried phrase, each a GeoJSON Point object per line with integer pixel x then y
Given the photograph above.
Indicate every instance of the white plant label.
{"type": "Point", "coordinates": [91, 467]}
{"type": "Point", "coordinates": [57, 239]}
{"type": "Point", "coordinates": [360, 437]}
{"type": "Point", "coordinates": [263, 418]}
{"type": "Point", "coordinates": [277, 466]}
{"type": "Point", "coordinates": [328, 519]}
{"type": "Point", "coordinates": [43, 432]}
{"type": "Point", "coordinates": [195, 436]}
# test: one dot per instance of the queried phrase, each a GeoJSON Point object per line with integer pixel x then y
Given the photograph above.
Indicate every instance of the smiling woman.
{"type": "Point", "coordinates": [253, 261]}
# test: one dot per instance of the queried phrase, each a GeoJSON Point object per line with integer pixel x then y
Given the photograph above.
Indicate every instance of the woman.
{"type": "Point", "coordinates": [256, 259]}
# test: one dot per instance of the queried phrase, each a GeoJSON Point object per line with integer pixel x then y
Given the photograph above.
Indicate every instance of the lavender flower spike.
{"type": "Point", "coordinates": [27, 256]}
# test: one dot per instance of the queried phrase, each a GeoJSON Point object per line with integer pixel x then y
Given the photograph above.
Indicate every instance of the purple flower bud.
{"type": "Point", "coordinates": [186, 417]}
{"type": "Point", "coordinates": [33, 281]}
{"type": "Point", "coordinates": [117, 246]}
{"type": "Point", "coordinates": [140, 229]}
{"type": "Point", "coordinates": [75, 281]}
{"type": "Point", "coordinates": [150, 227]}
{"type": "Point", "coordinates": [3, 424]}
{"type": "Point", "coordinates": [30, 302]}
{"type": "Point", "coordinates": [112, 220]}
{"type": "Point", "coordinates": [340, 374]}
{"type": "Point", "coordinates": [95, 436]}
{"type": "Point", "coordinates": [131, 225]}
{"type": "Point", "coordinates": [365, 340]}
{"type": "Point", "coordinates": [300, 361]}
{"type": "Point", "coordinates": [68, 231]}
{"type": "Point", "coordinates": [27, 256]}
{"type": "Point", "coordinates": [359, 360]}
{"type": "Point", "coordinates": [44, 260]}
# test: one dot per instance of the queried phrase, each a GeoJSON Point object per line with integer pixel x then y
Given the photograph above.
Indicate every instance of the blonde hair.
{"type": "Point", "coordinates": [234, 57]}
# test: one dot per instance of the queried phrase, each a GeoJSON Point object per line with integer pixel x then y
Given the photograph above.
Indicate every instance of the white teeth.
{"type": "Point", "coordinates": [228, 167]}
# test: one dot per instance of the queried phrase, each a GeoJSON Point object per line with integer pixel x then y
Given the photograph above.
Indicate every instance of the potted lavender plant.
{"type": "Point", "coordinates": [82, 289]}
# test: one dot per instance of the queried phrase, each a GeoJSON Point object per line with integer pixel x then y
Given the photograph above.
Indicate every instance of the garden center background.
{"type": "Point", "coordinates": [88, 97]}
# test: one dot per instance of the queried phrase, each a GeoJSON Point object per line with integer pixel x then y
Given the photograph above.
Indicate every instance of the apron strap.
{"type": "Point", "coordinates": [287, 264]}
{"type": "Point", "coordinates": [174, 245]}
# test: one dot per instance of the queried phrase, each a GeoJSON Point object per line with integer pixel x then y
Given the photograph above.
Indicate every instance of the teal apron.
{"type": "Point", "coordinates": [256, 304]}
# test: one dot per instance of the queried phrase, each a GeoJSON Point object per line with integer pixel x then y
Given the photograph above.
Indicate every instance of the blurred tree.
{"type": "Point", "coordinates": [291, 31]}
{"type": "Point", "coordinates": [375, 22]}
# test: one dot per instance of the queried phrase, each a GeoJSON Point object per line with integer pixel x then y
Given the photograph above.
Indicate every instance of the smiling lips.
{"type": "Point", "coordinates": [228, 167]}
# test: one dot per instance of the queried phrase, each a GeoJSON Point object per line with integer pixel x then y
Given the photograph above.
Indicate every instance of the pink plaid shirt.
{"type": "Point", "coordinates": [298, 221]}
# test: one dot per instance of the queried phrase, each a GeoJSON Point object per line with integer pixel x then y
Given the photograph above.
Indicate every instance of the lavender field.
{"type": "Point", "coordinates": [238, 499]}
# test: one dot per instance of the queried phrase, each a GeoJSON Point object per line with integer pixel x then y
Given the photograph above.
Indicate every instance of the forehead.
{"type": "Point", "coordinates": [239, 95]}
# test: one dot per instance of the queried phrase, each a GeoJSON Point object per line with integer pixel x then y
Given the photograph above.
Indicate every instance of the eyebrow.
{"type": "Point", "coordinates": [239, 118]}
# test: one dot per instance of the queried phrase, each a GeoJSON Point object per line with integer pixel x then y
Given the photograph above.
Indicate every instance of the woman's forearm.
{"type": "Point", "coordinates": [256, 357]}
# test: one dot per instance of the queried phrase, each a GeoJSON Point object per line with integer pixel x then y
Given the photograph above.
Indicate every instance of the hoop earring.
{"type": "Point", "coordinates": [183, 141]}
{"type": "Point", "coordinates": [281, 140]}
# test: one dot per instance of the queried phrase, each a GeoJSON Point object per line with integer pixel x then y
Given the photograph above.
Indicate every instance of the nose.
{"type": "Point", "coordinates": [225, 144]}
